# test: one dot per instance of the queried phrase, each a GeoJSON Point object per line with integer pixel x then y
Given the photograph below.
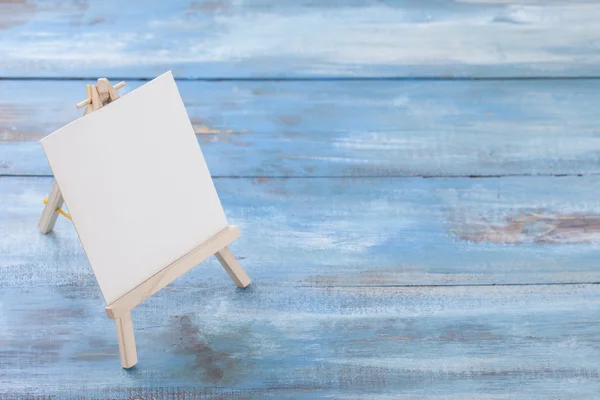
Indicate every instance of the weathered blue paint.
{"type": "Point", "coordinates": [266, 38]}
{"type": "Point", "coordinates": [367, 284]}
{"type": "Point", "coordinates": [355, 232]}
{"type": "Point", "coordinates": [283, 342]}
{"type": "Point", "coordinates": [349, 128]}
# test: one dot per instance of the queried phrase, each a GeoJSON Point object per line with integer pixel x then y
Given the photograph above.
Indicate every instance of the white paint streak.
{"type": "Point", "coordinates": [322, 40]}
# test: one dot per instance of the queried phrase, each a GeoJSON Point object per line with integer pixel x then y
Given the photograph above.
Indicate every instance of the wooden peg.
{"type": "Point", "coordinates": [107, 92]}
{"type": "Point", "coordinates": [88, 100]}
{"type": "Point", "coordinates": [102, 88]}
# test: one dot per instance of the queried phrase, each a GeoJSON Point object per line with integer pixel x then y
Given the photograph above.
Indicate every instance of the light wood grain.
{"type": "Point", "coordinates": [95, 98]}
{"type": "Point", "coordinates": [171, 272]}
{"type": "Point", "coordinates": [106, 92]}
{"type": "Point", "coordinates": [233, 267]}
{"type": "Point", "coordinates": [50, 213]}
{"type": "Point", "coordinates": [126, 340]}
{"type": "Point", "coordinates": [267, 38]}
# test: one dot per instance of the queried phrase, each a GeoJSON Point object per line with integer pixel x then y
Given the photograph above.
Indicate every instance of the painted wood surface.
{"type": "Point", "coordinates": [368, 282]}
{"type": "Point", "coordinates": [355, 232]}
{"type": "Point", "coordinates": [265, 38]}
{"type": "Point", "coordinates": [206, 341]}
{"type": "Point", "coordinates": [362, 128]}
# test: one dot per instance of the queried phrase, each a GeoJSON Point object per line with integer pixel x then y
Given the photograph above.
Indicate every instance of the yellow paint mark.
{"type": "Point", "coordinates": [206, 130]}
{"type": "Point", "coordinates": [201, 128]}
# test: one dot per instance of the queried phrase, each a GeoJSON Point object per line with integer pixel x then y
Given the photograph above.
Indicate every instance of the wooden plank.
{"type": "Point", "coordinates": [300, 343]}
{"type": "Point", "coordinates": [164, 277]}
{"type": "Point", "coordinates": [349, 128]}
{"type": "Point", "coordinates": [354, 232]}
{"type": "Point", "coordinates": [207, 38]}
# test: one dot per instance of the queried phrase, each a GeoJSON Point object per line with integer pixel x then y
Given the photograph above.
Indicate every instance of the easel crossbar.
{"type": "Point", "coordinates": [156, 282]}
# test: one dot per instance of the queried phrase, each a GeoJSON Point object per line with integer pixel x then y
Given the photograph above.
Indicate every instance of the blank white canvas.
{"type": "Point", "coordinates": [136, 185]}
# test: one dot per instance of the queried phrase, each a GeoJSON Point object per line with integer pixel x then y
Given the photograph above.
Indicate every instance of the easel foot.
{"type": "Point", "coordinates": [126, 340]}
{"type": "Point", "coordinates": [233, 267]}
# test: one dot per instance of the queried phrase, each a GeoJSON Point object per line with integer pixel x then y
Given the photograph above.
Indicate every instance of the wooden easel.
{"type": "Point", "coordinates": [120, 310]}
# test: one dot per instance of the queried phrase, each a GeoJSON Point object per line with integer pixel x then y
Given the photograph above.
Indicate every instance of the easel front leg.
{"type": "Point", "coordinates": [49, 215]}
{"type": "Point", "coordinates": [233, 267]}
{"type": "Point", "coordinates": [126, 340]}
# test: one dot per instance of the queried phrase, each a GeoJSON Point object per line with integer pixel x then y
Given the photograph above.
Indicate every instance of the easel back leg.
{"type": "Point", "coordinates": [49, 215]}
{"type": "Point", "coordinates": [233, 267]}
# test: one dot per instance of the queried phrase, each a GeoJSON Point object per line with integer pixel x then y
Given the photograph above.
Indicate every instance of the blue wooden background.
{"type": "Point", "coordinates": [416, 184]}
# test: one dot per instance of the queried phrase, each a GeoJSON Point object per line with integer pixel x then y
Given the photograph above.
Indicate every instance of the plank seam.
{"type": "Point", "coordinates": [449, 285]}
{"type": "Point", "coordinates": [355, 177]}
{"type": "Point", "coordinates": [306, 78]}
{"type": "Point", "coordinates": [398, 286]}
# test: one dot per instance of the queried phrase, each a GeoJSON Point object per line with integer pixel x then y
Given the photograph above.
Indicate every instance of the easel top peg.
{"type": "Point", "coordinates": [105, 91]}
